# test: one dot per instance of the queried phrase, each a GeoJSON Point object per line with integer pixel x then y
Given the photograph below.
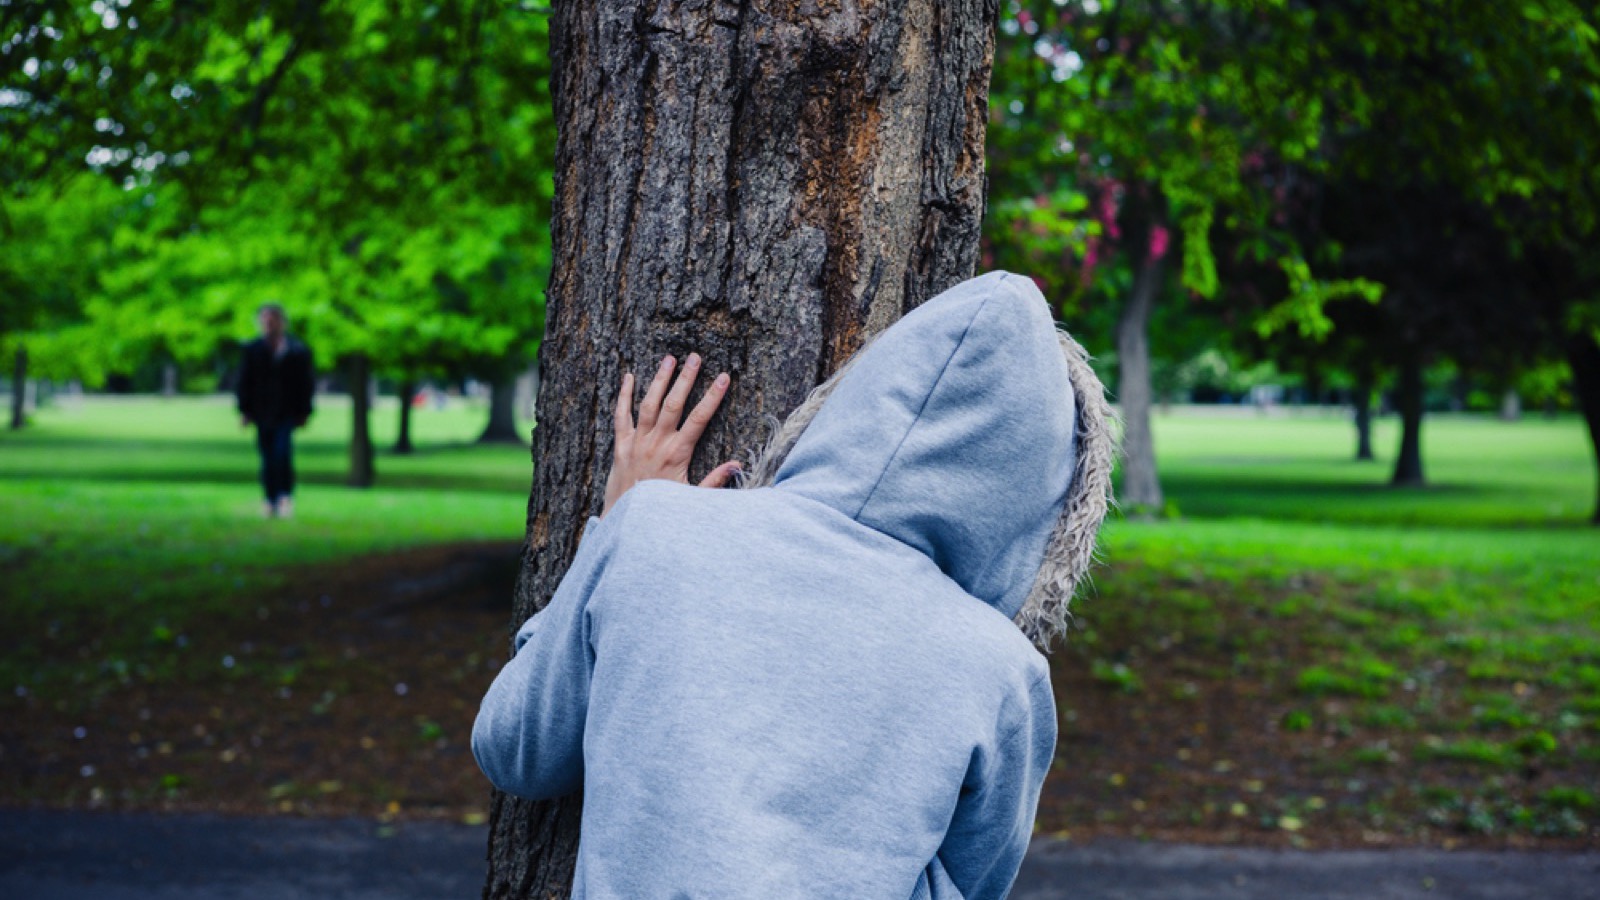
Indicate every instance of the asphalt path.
{"type": "Point", "coordinates": [49, 855]}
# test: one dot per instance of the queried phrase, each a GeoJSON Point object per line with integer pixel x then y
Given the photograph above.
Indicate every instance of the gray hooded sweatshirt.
{"type": "Point", "coordinates": [815, 689]}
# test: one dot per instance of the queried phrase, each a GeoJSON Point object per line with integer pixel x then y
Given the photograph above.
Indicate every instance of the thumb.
{"type": "Point", "coordinates": [720, 476]}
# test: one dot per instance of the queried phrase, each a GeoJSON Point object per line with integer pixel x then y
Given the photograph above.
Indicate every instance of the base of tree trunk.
{"type": "Point", "coordinates": [502, 427]}
{"type": "Point", "coordinates": [362, 470]}
{"type": "Point", "coordinates": [1583, 356]}
{"type": "Point", "coordinates": [19, 389]}
{"type": "Point", "coordinates": [408, 394]}
{"type": "Point", "coordinates": [1141, 482]}
{"type": "Point", "coordinates": [1408, 462]}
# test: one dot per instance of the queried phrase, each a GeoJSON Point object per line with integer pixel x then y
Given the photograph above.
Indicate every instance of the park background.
{"type": "Point", "coordinates": [1339, 257]}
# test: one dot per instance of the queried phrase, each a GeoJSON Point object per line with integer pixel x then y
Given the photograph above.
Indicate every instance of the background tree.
{"type": "Point", "coordinates": [1151, 124]}
{"type": "Point", "coordinates": [400, 153]}
{"type": "Point", "coordinates": [764, 185]}
{"type": "Point", "coordinates": [54, 237]}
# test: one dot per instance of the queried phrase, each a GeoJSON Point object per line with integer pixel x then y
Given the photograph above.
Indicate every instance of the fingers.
{"type": "Point", "coordinates": [622, 417]}
{"type": "Point", "coordinates": [672, 408]}
{"type": "Point", "coordinates": [706, 408]}
{"type": "Point", "coordinates": [720, 476]}
{"type": "Point", "coordinates": [651, 406]}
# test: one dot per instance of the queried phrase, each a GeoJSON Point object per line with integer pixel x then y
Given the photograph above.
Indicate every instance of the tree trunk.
{"type": "Point", "coordinates": [169, 379]}
{"type": "Point", "coordinates": [1362, 401]}
{"type": "Point", "coordinates": [1583, 356]}
{"type": "Point", "coordinates": [1141, 485]}
{"type": "Point", "coordinates": [1408, 465]}
{"type": "Point", "coordinates": [528, 391]}
{"type": "Point", "coordinates": [19, 388]}
{"type": "Point", "coordinates": [502, 427]}
{"type": "Point", "coordinates": [408, 394]}
{"type": "Point", "coordinates": [362, 472]}
{"type": "Point", "coordinates": [764, 184]}
{"type": "Point", "coordinates": [1510, 405]}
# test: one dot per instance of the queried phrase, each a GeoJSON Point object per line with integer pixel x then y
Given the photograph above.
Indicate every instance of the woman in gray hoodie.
{"type": "Point", "coordinates": [825, 685]}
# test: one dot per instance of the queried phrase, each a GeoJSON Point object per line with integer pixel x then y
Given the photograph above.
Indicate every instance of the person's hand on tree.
{"type": "Point", "coordinates": [655, 446]}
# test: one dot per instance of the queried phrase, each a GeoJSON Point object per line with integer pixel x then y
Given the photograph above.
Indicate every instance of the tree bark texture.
{"type": "Point", "coordinates": [1141, 485]}
{"type": "Point", "coordinates": [1362, 401]}
{"type": "Point", "coordinates": [502, 427]}
{"type": "Point", "coordinates": [362, 471]}
{"type": "Point", "coordinates": [1408, 464]}
{"type": "Point", "coordinates": [764, 183]}
{"type": "Point", "coordinates": [408, 395]}
{"type": "Point", "coordinates": [19, 388]}
{"type": "Point", "coordinates": [1583, 356]}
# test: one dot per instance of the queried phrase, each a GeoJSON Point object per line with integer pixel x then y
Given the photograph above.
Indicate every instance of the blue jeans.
{"type": "Point", "coordinates": [277, 463]}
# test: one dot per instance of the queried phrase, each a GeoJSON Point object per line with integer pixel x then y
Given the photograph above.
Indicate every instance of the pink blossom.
{"type": "Point", "coordinates": [1159, 239]}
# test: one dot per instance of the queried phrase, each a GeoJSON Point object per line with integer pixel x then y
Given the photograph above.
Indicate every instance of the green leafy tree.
{"type": "Point", "coordinates": [395, 158]}
{"type": "Point", "coordinates": [1139, 131]}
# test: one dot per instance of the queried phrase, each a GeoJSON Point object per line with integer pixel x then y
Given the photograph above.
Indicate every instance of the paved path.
{"type": "Point", "coordinates": [78, 856]}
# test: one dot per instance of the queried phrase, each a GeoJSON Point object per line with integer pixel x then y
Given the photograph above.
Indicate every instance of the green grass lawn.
{"type": "Point", "coordinates": [1368, 659]}
{"type": "Point", "coordinates": [1421, 662]}
{"type": "Point", "coordinates": [137, 514]}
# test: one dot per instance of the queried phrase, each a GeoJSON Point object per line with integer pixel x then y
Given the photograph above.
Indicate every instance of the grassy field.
{"type": "Point", "coordinates": [119, 517]}
{"type": "Point", "coordinates": [1309, 652]}
{"type": "Point", "coordinates": [1303, 655]}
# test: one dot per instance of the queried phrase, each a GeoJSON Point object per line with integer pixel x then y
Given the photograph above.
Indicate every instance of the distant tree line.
{"type": "Point", "coordinates": [1361, 194]}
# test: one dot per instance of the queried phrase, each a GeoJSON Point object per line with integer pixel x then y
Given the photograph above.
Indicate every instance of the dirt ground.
{"type": "Point", "coordinates": [352, 691]}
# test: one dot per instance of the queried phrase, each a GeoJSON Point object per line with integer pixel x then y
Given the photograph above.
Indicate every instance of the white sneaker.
{"type": "Point", "coordinates": [268, 510]}
{"type": "Point", "coordinates": [285, 507]}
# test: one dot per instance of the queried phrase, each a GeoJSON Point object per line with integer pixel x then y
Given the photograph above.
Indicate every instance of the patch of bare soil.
{"type": "Point", "coordinates": [350, 691]}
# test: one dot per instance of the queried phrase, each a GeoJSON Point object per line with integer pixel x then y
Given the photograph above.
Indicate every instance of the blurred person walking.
{"type": "Point", "coordinates": [275, 386]}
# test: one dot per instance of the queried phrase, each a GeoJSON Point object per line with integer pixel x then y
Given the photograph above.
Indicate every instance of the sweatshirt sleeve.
{"type": "Point", "coordinates": [528, 737]}
{"type": "Point", "coordinates": [993, 821]}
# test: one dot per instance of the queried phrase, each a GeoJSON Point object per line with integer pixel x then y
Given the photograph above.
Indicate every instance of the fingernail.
{"type": "Point", "coordinates": [722, 380]}
{"type": "Point", "coordinates": [694, 360]}
{"type": "Point", "coordinates": [666, 361]}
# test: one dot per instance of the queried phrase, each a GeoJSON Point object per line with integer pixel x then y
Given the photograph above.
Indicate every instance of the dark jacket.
{"type": "Point", "coordinates": [275, 390]}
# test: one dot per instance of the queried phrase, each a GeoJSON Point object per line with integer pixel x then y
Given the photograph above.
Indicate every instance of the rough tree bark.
{"type": "Point", "coordinates": [1362, 401]}
{"type": "Point", "coordinates": [1583, 355]}
{"type": "Point", "coordinates": [407, 394]}
{"type": "Point", "coordinates": [502, 427]}
{"type": "Point", "coordinates": [362, 471]}
{"type": "Point", "coordinates": [19, 388]}
{"type": "Point", "coordinates": [765, 183]}
{"type": "Point", "coordinates": [1141, 484]}
{"type": "Point", "coordinates": [1408, 464]}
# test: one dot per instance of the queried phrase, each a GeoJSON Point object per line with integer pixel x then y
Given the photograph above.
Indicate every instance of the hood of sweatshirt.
{"type": "Point", "coordinates": [953, 433]}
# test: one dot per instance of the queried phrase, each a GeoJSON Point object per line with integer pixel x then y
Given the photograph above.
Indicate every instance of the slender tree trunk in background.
{"type": "Point", "coordinates": [502, 427]}
{"type": "Point", "coordinates": [19, 388]}
{"type": "Point", "coordinates": [528, 391]}
{"type": "Point", "coordinates": [762, 183]}
{"type": "Point", "coordinates": [362, 472]}
{"type": "Point", "coordinates": [408, 394]}
{"type": "Point", "coordinates": [1362, 401]}
{"type": "Point", "coordinates": [1583, 356]}
{"type": "Point", "coordinates": [1141, 485]}
{"type": "Point", "coordinates": [169, 379]}
{"type": "Point", "coordinates": [1510, 405]}
{"type": "Point", "coordinates": [1408, 464]}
